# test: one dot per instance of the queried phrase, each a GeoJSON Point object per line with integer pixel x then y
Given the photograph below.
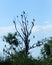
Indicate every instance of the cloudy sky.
{"type": "Point", "coordinates": [41, 10]}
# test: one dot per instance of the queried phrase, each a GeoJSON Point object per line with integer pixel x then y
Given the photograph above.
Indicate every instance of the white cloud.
{"type": "Point", "coordinates": [40, 28]}
{"type": "Point", "coordinates": [47, 27]}
{"type": "Point", "coordinates": [36, 28]}
{"type": "Point", "coordinates": [6, 29]}
{"type": "Point", "coordinates": [46, 22]}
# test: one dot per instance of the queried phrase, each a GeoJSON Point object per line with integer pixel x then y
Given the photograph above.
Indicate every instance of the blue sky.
{"type": "Point", "coordinates": [41, 10]}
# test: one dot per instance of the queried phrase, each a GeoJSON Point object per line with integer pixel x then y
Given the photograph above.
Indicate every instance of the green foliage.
{"type": "Point", "coordinates": [46, 51]}
{"type": "Point", "coordinates": [6, 62]}
{"type": "Point", "coordinates": [20, 59]}
{"type": "Point", "coordinates": [11, 39]}
{"type": "Point", "coordinates": [50, 42]}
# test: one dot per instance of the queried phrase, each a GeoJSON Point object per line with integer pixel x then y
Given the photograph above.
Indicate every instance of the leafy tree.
{"type": "Point", "coordinates": [13, 43]}
{"type": "Point", "coordinates": [46, 51]}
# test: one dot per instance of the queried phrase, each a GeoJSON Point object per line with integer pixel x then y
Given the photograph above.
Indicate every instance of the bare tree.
{"type": "Point", "coordinates": [26, 30]}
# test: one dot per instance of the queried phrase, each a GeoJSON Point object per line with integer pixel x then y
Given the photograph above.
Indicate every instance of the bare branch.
{"type": "Point", "coordinates": [17, 30]}
{"type": "Point", "coordinates": [36, 45]}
